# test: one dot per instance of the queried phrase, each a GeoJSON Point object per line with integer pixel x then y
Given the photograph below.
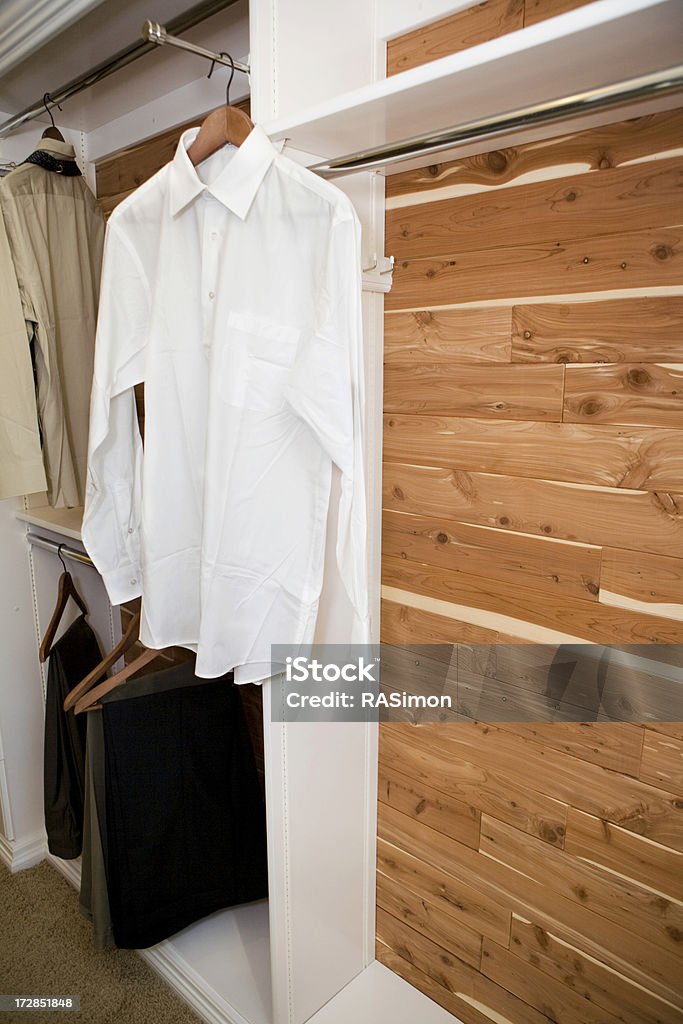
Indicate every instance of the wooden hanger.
{"type": "Point", "coordinates": [53, 131]}
{"type": "Point", "coordinates": [125, 643]}
{"type": "Point", "coordinates": [89, 701]}
{"type": "Point", "coordinates": [67, 589]}
{"type": "Point", "coordinates": [226, 124]}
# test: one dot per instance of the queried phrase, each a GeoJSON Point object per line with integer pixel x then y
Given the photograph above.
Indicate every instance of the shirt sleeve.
{"type": "Point", "coordinates": [21, 461]}
{"type": "Point", "coordinates": [111, 519]}
{"type": "Point", "coordinates": [325, 389]}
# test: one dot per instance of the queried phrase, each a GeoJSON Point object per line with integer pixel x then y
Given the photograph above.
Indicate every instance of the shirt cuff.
{"type": "Point", "coordinates": [123, 584]}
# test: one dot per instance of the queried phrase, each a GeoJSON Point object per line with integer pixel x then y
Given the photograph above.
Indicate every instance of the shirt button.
{"type": "Point", "coordinates": [214, 235]}
{"type": "Point", "coordinates": [130, 529]}
{"type": "Point", "coordinates": [212, 295]}
{"type": "Point", "coordinates": [133, 581]}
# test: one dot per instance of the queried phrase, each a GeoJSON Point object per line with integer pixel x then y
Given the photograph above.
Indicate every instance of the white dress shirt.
{"type": "Point", "coordinates": [234, 292]}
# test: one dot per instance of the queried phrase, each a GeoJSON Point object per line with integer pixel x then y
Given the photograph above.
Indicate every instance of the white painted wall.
{"type": "Point", "coordinates": [21, 704]}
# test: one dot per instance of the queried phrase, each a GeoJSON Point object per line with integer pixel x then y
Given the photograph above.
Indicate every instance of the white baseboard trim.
{"type": "Point", "coordinates": [190, 986]}
{"type": "Point", "coordinates": [18, 854]}
{"type": "Point", "coordinates": [170, 966]}
{"type": "Point", "coordinates": [70, 869]}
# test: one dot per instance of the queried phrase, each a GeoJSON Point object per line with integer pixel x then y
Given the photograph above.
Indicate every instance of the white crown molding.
{"type": "Point", "coordinates": [25, 25]}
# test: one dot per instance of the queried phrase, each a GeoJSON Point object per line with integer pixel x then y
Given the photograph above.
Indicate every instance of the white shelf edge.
{"type": "Point", "coordinates": [64, 521]}
{"type": "Point", "coordinates": [446, 69]}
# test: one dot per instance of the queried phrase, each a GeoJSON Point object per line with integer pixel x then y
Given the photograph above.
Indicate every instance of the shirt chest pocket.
{"type": "Point", "coordinates": [255, 361]}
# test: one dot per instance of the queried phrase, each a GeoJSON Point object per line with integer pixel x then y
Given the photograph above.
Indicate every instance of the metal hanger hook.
{"type": "Point", "coordinates": [48, 99]}
{"type": "Point", "coordinates": [232, 74]}
{"type": "Point", "coordinates": [61, 557]}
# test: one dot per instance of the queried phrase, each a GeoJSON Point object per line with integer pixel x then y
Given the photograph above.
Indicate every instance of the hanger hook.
{"type": "Point", "coordinates": [48, 99]}
{"type": "Point", "coordinates": [61, 557]}
{"type": "Point", "coordinates": [232, 75]}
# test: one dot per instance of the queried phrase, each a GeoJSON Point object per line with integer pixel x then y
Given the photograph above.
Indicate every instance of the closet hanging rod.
{"type": "Point", "coordinates": [56, 546]}
{"type": "Point", "coordinates": [156, 33]}
{"type": "Point", "coordinates": [200, 12]}
{"type": "Point", "coordinates": [656, 83]}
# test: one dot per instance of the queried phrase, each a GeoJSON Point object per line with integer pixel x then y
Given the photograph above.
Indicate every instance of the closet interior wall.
{"type": "Point", "coordinates": [533, 383]}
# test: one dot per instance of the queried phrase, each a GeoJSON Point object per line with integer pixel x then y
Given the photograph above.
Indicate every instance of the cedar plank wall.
{"type": "Point", "coordinates": [117, 177]}
{"type": "Point", "coordinates": [533, 387]}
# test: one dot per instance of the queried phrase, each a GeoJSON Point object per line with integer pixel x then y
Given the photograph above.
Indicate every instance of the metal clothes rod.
{"type": "Point", "coordinates": [156, 33]}
{"type": "Point", "coordinates": [657, 83]}
{"type": "Point", "coordinates": [53, 545]}
{"type": "Point", "coordinates": [182, 23]}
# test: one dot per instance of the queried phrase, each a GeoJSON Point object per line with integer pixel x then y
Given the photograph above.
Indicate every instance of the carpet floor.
{"type": "Point", "coordinates": [46, 949]}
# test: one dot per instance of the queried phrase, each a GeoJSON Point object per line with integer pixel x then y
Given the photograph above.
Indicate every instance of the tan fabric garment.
{"type": "Point", "coordinates": [21, 460]}
{"type": "Point", "coordinates": [56, 235]}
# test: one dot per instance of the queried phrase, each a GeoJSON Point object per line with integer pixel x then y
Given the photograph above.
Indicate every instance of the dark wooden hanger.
{"type": "Point", "coordinates": [129, 638]}
{"type": "Point", "coordinates": [226, 124]}
{"type": "Point", "coordinates": [53, 131]}
{"type": "Point", "coordinates": [66, 590]}
{"type": "Point", "coordinates": [89, 701]}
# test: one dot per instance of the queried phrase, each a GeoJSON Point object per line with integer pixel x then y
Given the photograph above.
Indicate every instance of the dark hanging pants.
{"type": "Point", "coordinates": [72, 658]}
{"type": "Point", "coordinates": [185, 830]}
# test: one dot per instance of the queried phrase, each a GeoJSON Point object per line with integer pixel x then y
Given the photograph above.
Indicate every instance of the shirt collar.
{"type": "Point", "coordinates": [57, 148]}
{"type": "Point", "coordinates": [236, 184]}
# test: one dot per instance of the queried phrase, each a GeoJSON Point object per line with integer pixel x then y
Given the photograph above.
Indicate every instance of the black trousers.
{"type": "Point", "coordinates": [186, 832]}
{"type": "Point", "coordinates": [72, 657]}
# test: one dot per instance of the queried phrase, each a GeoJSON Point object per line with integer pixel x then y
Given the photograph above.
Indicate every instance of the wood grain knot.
{"type": "Point", "coordinates": [593, 588]}
{"type": "Point", "coordinates": [570, 197]}
{"type": "Point", "coordinates": [398, 493]}
{"type": "Point", "coordinates": [433, 169]}
{"type": "Point", "coordinates": [638, 377]}
{"type": "Point", "coordinates": [442, 538]}
{"type": "Point", "coordinates": [497, 161]}
{"type": "Point", "coordinates": [604, 162]}
{"type": "Point", "coordinates": [504, 521]}
{"type": "Point", "coordinates": [590, 408]}
{"type": "Point", "coordinates": [423, 317]}
{"type": "Point", "coordinates": [528, 334]}
{"type": "Point", "coordinates": [663, 252]}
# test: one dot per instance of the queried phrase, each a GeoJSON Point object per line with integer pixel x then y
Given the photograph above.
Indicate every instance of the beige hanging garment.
{"type": "Point", "coordinates": [56, 235]}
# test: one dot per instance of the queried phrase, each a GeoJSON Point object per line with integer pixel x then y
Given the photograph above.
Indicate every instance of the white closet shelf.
{"type": "Point", "coordinates": [66, 521]}
{"type": "Point", "coordinates": [597, 45]}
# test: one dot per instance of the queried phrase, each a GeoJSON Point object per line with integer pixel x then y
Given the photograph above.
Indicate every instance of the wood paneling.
{"type": "Point", "coordinates": [426, 918]}
{"type": "Point", "coordinates": [448, 336]}
{"type": "Point", "coordinates": [660, 920]}
{"type": "Point", "coordinates": [452, 817]}
{"type": "Point", "coordinates": [404, 625]}
{"type": "Point", "coordinates": [619, 518]}
{"type": "Point", "coordinates": [458, 32]}
{"type": "Point", "coordinates": [623, 950]}
{"type": "Point", "coordinates": [645, 458]}
{"type": "Point", "coordinates": [574, 825]}
{"type": "Point", "coordinates": [642, 576]}
{"type": "Point", "coordinates": [582, 206]}
{"type": "Point", "coordinates": [624, 393]}
{"type": "Point", "coordinates": [596, 149]}
{"type": "Point", "coordinates": [587, 978]}
{"type": "Point", "coordinates": [497, 554]}
{"type": "Point", "coordinates": [626, 853]}
{"type": "Point", "coordinates": [617, 746]}
{"type": "Point", "coordinates": [617, 331]}
{"type": "Point", "coordinates": [539, 10]}
{"type": "Point", "coordinates": [471, 782]}
{"type": "Point", "coordinates": [467, 905]}
{"type": "Point", "coordinates": [555, 999]}
{"type": "Point", "coordinates": [508, 392]}
{"type": "Point", "coordinates": [662, 763]}
{"type": "Point", "coordinates": [632, 259]}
